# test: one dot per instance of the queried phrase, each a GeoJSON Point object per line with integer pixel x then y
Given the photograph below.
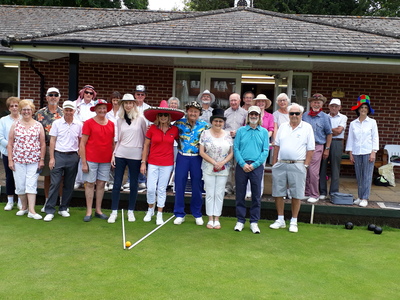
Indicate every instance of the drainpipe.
{"type": "Point", "coordinates": [42, 81]}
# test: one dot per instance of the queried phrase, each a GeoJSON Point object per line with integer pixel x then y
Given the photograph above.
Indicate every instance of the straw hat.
{"type": "Point", "coordinates": [206, 92]}
{"type": "Point", "coordinates": [317, 97]}
{"type": "Point", "coordinates": [262, 97]}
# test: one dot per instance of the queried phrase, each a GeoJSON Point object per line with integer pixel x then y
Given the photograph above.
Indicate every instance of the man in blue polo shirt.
{"type": "Point", "coordinates": [250, 148]}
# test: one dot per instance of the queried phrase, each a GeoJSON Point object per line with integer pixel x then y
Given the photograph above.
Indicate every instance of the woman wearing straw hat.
{"type": "Point", "coordinates": [131, 129]}
{"type": "Point", "coordinates": [158, 152]}
{"type": "Point", "coordinates": [216, 151]}
{"type": "Point", "coordinates": [362, 144]}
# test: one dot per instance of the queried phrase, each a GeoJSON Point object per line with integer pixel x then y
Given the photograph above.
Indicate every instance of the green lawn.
{"type": "Point", "coordinates": [70, 259]}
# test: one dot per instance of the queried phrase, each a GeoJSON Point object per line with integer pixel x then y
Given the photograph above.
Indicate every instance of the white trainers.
{"type": "Point", "coordinates": [363, 203]}
{"type": "Point", "coordinates": [239, 226]}
{"type": "Point", "coordinates": [110, 187]}
{"type": "Point", "coordinates": [149, 214]}
{"type": "Point", "coordinates": [48, 217]}
{"type": "Point", "coordinates": [179, 220]}
{"type": "Point", "coordinates": [64, 213]}
{"type": "Point", "coordinates": [248, 195]}
{"type": "Point", "coordinates": [131, 216]}
{"type": "Point", "coordinates": [357, 201]}
{"type": "Point", "coordinates": [293, 227]}
{"type": "Point", "coordinates": [159, 219]}
{"type": "Point", "coordinates": [112, 218]}
{"type": "Point", "coordinates": [126, 185]}
{"type": "Point", "coordinates": [312, 200]}
{"type": "Point", "coordinates": [254, 228]}
{"type": "Point", "coordinates": [35, 216]}
{"type": "Point", "coordinates": [77, 185]}
{"type": "Point", "coordinates": [9, 206]}
{"type": "Point", "coordinates": [106, 187]}
{"type": "Point", "coordinates": [322, 197]}
{"type": "Point", "coordinates": [199, 221]}
{"type": "Point", "coordinates": [141, 185]}
{"type": "Point", "coordinates": [21, 212]}
{"type": "Point", "coordinates": [277, 224]}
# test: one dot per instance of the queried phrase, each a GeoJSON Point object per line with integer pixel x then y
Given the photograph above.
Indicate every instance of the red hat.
{"type": "Point", "coordinates": [152, 112]}
{"type": "Point", "coordinates": [100, 102]}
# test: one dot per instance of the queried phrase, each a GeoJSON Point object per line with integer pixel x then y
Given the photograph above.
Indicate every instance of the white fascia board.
{"type": "Point", "coordinates": [209, 55]}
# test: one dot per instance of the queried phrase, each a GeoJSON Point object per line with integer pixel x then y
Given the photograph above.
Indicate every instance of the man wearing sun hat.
{"type": "Point", "coordinates": [339, 123]}
{"type": "Point", "coordinates": [65, 135]}
{"type": "Point", "coordinates": [188, 161]}
{"type": "Point", "coordinates": [46, 116]}
{"type": "Point", "coordinates": [206, 98]}
{"type": "Point", "coordinates": [323, 137]}
{"type": "Point", "coordinates": [250, 148]}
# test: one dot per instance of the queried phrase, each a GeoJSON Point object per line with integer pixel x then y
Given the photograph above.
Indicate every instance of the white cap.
{"type": "Point", "coordinates": [335, 101]}
{"type": "Point", "coordinates": [54, 90]}
{"type": "Point", "coordinates": [69, 104]}
{"type": "Point", "coordinates": [254, 109]}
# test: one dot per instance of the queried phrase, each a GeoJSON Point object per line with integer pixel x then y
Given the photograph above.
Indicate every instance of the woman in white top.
{"type": "Point", "coordinates": [5, 125]}
{"type": "Point", "coordinates": [131, 128]}
{"type": "Point", "coordinates": [362, 144]}
{"type": "Point", "coordinates": [216, 151]}
{"type": "Point", "coordinates": [281, 115]}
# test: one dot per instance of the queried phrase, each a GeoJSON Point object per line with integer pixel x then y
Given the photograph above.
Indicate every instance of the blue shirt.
{"type": "Point", "coordinates": [251, 144]}
{"type": "Point", "coordinates": [189, 136]}
{"type": "Point", "coordinates": [321, 125]}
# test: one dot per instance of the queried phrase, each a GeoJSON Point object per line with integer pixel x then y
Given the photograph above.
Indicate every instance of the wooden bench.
{"type": "Point", "coordinates": [378, 162]}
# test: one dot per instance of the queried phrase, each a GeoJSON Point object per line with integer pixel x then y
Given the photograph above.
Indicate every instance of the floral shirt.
{"type": "Point", "coordinates": [217, 149]}
{"type": "Point", "coordinates": [26, 148]}
{"type": "Point", "coordinates": [190, 136]}
{"type": "Point", "coordinates": [45, 117]}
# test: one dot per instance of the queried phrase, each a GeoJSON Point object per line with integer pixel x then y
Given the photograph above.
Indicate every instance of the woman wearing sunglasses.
{"type": "Point", "coordinates": [216, 151]}
{"type": "Point", "coordinates": [158, 152]}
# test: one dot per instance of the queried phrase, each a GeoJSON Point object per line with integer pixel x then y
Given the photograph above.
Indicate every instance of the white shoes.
{"type": "Point", "coordinates": [77, 185]}
{"type": "Point", "coordinates": [131, 216]}
{"type": "Point", "coordinates": [64, 213]}
{"type": "Point", "coordinates": [35, 216]}
{"type": "Point", "coordinates": [179, 220]}
{"type": "Point", "coordinates": [312, 200]}
{"type": "Point", "coordinates": [248, 195]}
{"type": "Point", "coordinates": [199, 221]}
{"type": "Point", "coordinates": [106, 187]}
{"type": "Point", "coordinates": [142, 185]}
{"type": "Point", "coordinates": [363, 203]}
{"type": "Point", "coordinates": [110, 187]}
{"type": "Point", "coordinates": [159, 219]}
{"type": "Point", "coordinates": [277, 225]}
{"type": "Point", "coordinates": [112, 218]}
{"type": "Point", "coordinates": [293, 227]}
{"type": "Point", "coordinates": [239, 226]}
{"type": "Point", "coordinates": [21, 212]}
{"type": "Point", "coordinates": [126, 185]}
{"type": "Point", "coordinates": [322, 197]}
{"type": "Point", "coordinates": [149, 214]}
{"type": "Point", "coordinates": [9, 206]}
{"type": "Point", "coordinates": [48, 217]}
{"type": "Point", "coordinates": [254, 228]}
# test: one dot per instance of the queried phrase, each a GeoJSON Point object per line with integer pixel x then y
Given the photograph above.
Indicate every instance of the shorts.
{"type": "Point", "coordinates": [289, 176]}
{"type": "Point", "coordinates": [97, 171]}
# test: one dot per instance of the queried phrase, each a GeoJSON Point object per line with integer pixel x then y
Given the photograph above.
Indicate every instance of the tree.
{"type": "Point", "coordinates": [139, 4]}
{"type": "Point", "coordinates": [203, 5]}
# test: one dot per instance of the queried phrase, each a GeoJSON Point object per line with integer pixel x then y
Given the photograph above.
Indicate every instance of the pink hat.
{"type": "Point", "coordinates": [100, 102]}
{"type": "Point", "coordinates": [152, 112]}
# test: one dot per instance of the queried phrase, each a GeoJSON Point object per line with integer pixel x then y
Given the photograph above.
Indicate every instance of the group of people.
{"type": "Point", "coordinates": [89, 139]}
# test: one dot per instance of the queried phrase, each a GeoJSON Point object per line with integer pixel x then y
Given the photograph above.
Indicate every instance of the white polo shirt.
{"type": "Point", "coordinates": [67, 134]}
{"type": "Point", "coordinates": [294, 143]}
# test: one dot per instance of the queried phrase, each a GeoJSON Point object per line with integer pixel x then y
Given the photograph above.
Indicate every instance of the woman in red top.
{"type": "Point", "coordinates": [96, 148]}
{"type": "Point", "coordinates": [160, 141]}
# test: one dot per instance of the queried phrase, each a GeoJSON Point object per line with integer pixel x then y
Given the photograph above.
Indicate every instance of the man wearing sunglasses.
{"type": "Point", "coordinates": [46, 116]}
{"type": "Point", "coordinates": [293, 150]}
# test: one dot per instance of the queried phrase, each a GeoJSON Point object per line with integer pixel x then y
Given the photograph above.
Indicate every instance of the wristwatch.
{"type": "Point", "coordinates": [306, 166]}
{"type": "Point", "coordinates": [327, 148]}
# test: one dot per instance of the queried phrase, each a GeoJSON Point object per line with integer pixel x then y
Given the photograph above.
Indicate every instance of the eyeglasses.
{"type": "Point", "coordinates": [139, 94]}
{"type": "Point", "coordinates": [26, 109]}
{"type": "Point", "coordinates": [89, 93]}
{"type": "Point", "coordinates": [163, 115]}
{"type": "Point", "coordinates": [284, 100]}
{"type": "Point", "coordinates": [53, 95]}
{"type": "Point", "coordinates": [292, 113]}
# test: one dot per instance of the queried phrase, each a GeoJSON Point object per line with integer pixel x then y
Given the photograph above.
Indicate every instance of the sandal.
{"type": "Point", "coordinates": [217, 225]}
{"type": "Point", "coordinates": [210, 225]}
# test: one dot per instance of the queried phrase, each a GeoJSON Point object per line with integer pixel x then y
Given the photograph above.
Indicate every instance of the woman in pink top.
{"type": "Point", "coordinates": [131, 128]}
{"type": "Point", "coordinates": [158, 152]}
{"type": "Point", "coordinates": [26, 151]}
